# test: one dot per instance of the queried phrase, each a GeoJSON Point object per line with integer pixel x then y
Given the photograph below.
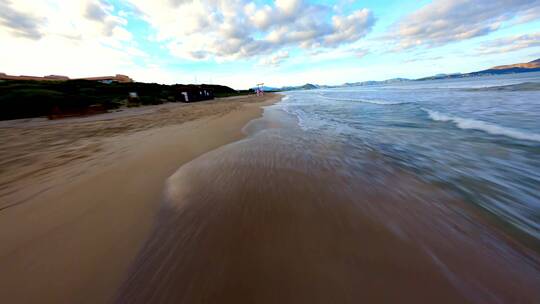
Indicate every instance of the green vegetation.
{"type": "Point", "coordinates": [234, 93]}
{"type": "Point", "coordinates": [23, 99]}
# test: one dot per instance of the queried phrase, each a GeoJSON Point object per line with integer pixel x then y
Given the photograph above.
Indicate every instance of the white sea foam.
{"type": "Point", "coordinates": [308, 120]}
{"type": "Point", "coordinates": [372, 101]}
{"type": "Point", "coordinates": [473, 124]}
{"type": "Point", "coordinates": [299, 114]}
{"type": "Point", "coordinates": [381, 102]}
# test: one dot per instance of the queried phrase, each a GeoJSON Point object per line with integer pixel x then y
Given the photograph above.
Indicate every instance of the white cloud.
{"type": "Point", "coordinates": [419, 58]}
{"type": "Point", "coordinates": [276, 59]}
{"type": "Point", "coordinates": [315, 75]}
{"type": "Point", "coordinates": [360, 52]}
{"type": "Point", "coordinates": [73, 38]}
{"type": "Point", "coordinates": [289, 7]}
{"type": "Point", "coordinates": [228, 30]}
{"type": "Point", "coordinates": [80, 38]}
{"type": "Point", "coordinates": [18, 22]}
{"type": "Point", "coordinates": [510, 44]}
{"type": "Point", "coordinates": [349, 28]}
{"type": "Point", "coordinates": [445, 21]}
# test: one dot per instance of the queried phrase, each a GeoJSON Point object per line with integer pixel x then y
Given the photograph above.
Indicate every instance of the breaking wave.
{"type": "Point", "coordinates": [473, 124]}
{"type": "Point", "coordinates": [372, 101]}
{"type": "Point", "coordinates": [524, 86]}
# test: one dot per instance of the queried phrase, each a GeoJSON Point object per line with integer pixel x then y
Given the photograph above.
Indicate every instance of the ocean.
{"type": "Point", "coordinates": [483, 144]}
{"type": "Point", "coordinates": [418, 192]}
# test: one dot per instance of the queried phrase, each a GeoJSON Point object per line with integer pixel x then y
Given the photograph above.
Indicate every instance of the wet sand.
{"type": "Point", "coordinates": [157, 207]}
{"type": "Point", "coordinates": [267, 220]}
{"type": "Point", "coordinates": [78, 196]}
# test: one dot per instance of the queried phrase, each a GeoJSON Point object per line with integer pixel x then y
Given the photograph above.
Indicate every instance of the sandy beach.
{"type": "Point", "coordinates": [278, 217]}
{"type": "Point", "coordinates": [204, 203]}
{"type": "Point", "coordinates": [269, 152]}
{"type": "Point", "coordinates": [78, 196]}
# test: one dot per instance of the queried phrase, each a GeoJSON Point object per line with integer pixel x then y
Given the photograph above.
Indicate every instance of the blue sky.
{"type": "Point", "coordinates": [285, 42]}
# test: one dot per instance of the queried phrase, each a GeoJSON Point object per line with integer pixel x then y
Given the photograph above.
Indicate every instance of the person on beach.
{"type": "Point", "coordinates": [259, 89]}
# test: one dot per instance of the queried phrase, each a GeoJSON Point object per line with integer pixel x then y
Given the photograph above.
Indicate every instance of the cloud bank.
{"type": "Point", "coordinates": [19, 23]}
{"type": "Point", "coordinates": [228, 30]}
{"type": "Point", "coordinates": [169, 41]}
{"type": "Point", "coordinates": [443, 21]}
{"type": "Point", "coordinates": [510, 44]}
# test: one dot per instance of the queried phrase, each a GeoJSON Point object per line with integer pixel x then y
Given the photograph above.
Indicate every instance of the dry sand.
{"type": "Point", "coordinates": [78, 196]}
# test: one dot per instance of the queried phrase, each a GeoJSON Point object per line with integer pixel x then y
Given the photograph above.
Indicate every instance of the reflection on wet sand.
{"type": "Point", "coordinates": [278, 218]}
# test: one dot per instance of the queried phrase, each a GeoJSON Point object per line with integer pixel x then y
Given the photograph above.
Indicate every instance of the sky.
{"type": "Point", "coordinates": [240, 43]}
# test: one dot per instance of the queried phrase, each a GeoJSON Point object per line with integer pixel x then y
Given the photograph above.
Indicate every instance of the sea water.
{"type": "Point", "coordinates": [378, 194]}
{"type": "Point", "coordinates": [477, 141]}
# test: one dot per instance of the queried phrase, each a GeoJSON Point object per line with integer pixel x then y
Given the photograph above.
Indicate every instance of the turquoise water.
{"type": "Point", "coordinates": [482, 145]}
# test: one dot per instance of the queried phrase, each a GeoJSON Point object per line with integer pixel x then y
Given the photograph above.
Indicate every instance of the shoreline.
{"type": "Point", "coordinates": [278, 217]}
{"type": "Point", "coordinates": [75, 238]}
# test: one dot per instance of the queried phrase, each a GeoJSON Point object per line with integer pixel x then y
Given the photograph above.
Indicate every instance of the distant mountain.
{"type": "Point", "coordinates": [443, 75]}
{"type": "Point", "coordinates": [529, 65]}
{"type": "Point", "coordinates": [373, 82]}
{"type": "Point", "coordinates": [310, 86]}
{"type": "Point", "coordinates": [267, 89]}
{"type": "Point", "coordinates": [533, 66]}
{"type": "Point", "coordinates": [307, 86]}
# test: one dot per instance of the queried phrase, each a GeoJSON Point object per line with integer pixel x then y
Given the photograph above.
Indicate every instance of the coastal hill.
{"type": "Point", "coordinates": [373, 82]}
{"type": "Point", "coordinates": [532, 66]}
{"type": "Point", "coordinates": [535, 64]}
{"type": "Point", "coordinates": [307, 86]}
{"type": "Point", "coordinates": [29, 96]}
